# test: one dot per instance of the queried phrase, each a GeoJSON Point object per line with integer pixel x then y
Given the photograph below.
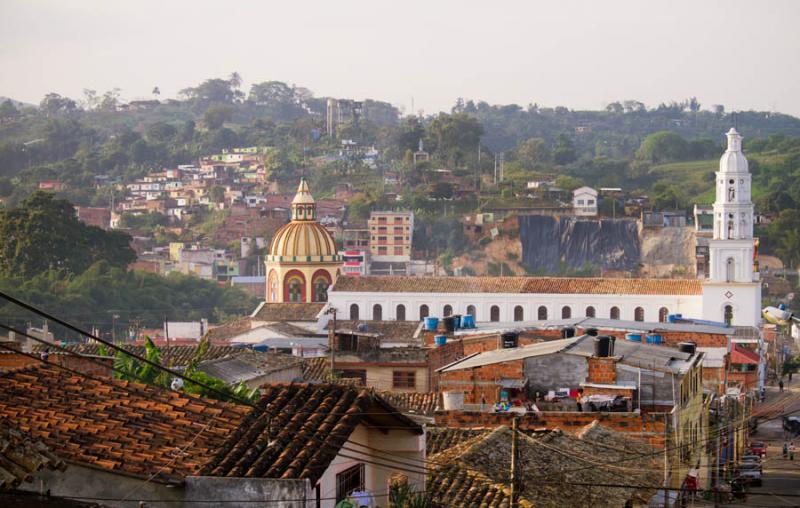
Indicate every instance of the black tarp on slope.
{"type": "Point", "coordinates": [610, 244]}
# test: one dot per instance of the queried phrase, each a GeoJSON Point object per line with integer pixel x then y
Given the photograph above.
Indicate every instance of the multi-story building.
{"type": "Point", "coordinates": [391, 234]}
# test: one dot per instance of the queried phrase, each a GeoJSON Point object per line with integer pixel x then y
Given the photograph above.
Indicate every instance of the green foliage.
{"type": "Point", "coordinates": [568, 183]}
{"type": "Point", "coordinates": [663, 146]}
{"type": "Point", "coordinates": [456, 135]}
{"type": "Point", "coordinates": [532, 152]}
{"type": "Point", "coordinates": [216, 116]}
{"type": "Point", "coordinates": [131, 369]}
{"type": "Point", "coordinates": [44, 234]}
{"type": "Point", "coordinates": [402, 495]}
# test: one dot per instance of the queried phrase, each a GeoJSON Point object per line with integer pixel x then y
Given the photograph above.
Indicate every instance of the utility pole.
{"type": "Point", "coordinates": [166, 333]}
{"type": "Point", "coordinates": [514, 463]}
{"type": "Point", "coordinates": [331, 340]}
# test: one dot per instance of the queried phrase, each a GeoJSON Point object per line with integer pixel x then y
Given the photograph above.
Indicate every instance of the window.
{"type": "Point", "coordinates": [566, 312]}
{"type": "Point", "coordinates": [663, 312]}
{"type": "Point", "coordinates": [448, 310]}
{"type": "Point", "coordinates": [614, 314]}
{"type": "Point", "coordinates": [590, 311]}
{"type": "Point", "coordinates": [471, 310]}
{"type": "Point", "coordinates": [354, 311]}
{"type": "Point", "coordinates": [321, 289]}
{"type": "Point", "coordinates": [404, 379]}
{"type": "Point", "coordinates": [398, 239]}
{"type": "Point", "coordinates": [638, 314]}
{"type": "Point", "coordinates": [494, 313]}
{"type": "Point", "coordinates": [519, 314]}
{"type": "Point", "coordinates": [423, 311]}
{"type": "Point", "coordinates": [541, 313]}
{"type": "Point", "coordinates": [382, 250]}
{"type": "Point", "coordinates": [349, 481]}
{"type": "Point", "coordinates": [580, 202]}
{"type": "Point", "coordinates": [730, 270]}
{"type": "Point", "coordinates": [377, 312]}
{"type": "Point", "coordinates": [590, 201]}
{"type": "Point", "coordinates": [398, 251]}
{"type": "Point", "coordinates": [348, 343]}
{"type": "Point", "coordinates": [728, 315]}
{"type": "Point", "coordinates": [400, 313]}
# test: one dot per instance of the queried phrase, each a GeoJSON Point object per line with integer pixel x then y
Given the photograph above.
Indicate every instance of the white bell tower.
{"type": "Point", "coordinates": [732, 293]}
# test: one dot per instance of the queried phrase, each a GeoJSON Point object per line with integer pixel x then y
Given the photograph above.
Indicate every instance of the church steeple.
{"type": "Point", "coordinates": [303, 205]}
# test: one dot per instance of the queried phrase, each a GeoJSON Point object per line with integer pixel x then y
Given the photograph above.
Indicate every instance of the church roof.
{"type": "Point", "coordinates": [535, 285]}
{"type": "Point", "coordinates": [733, 160]}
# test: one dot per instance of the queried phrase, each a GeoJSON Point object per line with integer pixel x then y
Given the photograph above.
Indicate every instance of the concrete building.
{"type": "Point", "coordinates": [391, 236]}
{"type": "Point", "coordinates": [584, 202]}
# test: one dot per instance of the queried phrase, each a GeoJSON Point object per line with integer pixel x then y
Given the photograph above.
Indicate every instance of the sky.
{"type": "Point", "coordinates": [578, 54]}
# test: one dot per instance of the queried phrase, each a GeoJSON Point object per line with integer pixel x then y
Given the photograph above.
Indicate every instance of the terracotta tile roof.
{"type": "Point", "coordinates": [229, 330]}
{"type": "Point", "coordinates": [413, 402]}
{"type": "Point", "coordinates": [298, 429]}
{"type": "Point", "coordinates": [741, 354]}
{"type": "Point", "coordinates": [288, 311]}
{"type": "Point", "coordinates": [177, 356]}
{"type": "Point", "coordinates": [439, 439]}
{"type": "Point", "coordinates": [455, 486]}
{"type": "Point", "coordinates": [539, 285]}
{"type": "Point", "coordinates": [316, 369]}
{"type": "Point", "coordinates": [21, 456]}
{"type": "Point", "coordinates": [392, 331]}
{"type": "Point", "coordinates": [124, 427]}
{"type": "Point", "coordinates": [561, 457]}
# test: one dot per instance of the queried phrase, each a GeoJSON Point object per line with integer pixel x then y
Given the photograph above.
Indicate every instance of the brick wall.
{"type": "Point", "coordinates": [602, 370]}
{"type": "Point", "coordinates": [672, 339]}
{"type": "Point", "coordinates": [649, 427]}
{"type": "Point", "coordinates": [481, 381]}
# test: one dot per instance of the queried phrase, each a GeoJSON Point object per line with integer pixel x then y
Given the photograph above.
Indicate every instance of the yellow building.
{"type": "Point", "coordinates": [302, 261]}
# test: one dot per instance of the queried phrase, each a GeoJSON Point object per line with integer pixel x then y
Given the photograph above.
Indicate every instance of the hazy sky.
{"type": "Point", "coordinates": [579, 54]}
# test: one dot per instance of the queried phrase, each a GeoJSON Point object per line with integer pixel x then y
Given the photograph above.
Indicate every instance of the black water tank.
{"type": "Point", "coordinates": [567, 333]}
{"type": "Point", "coordinates": [602, 346]}
{"type": "Point", "coordinates": [687, 347]}
{"type": "Point", "coordinates": [592, 332]}
{"type": "Point", "coordinates": [509, 340]}
{"type": "Point", "coordinates": [450, 324]}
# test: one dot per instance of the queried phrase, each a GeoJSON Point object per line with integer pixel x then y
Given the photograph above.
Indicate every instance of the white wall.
{"type": "Point", "coordinates": [398, 442]}
{"type": "Point", "coordinates": [745, 298]}
{"type": "Point", "coordinates": [688, 305]}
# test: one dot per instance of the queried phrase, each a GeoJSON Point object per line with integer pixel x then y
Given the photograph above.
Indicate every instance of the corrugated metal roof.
{"type": "Point", "coordinates": [507, 355]}
{"type": "Point", "coordinates": [714, 357]}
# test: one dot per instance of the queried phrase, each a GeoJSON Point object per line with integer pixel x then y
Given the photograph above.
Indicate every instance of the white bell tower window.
{"type": "Point", "coordinates": [730, 270]}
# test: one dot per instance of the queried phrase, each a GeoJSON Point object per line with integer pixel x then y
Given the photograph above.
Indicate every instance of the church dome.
{"type": "Point", "coordinates": [303, 239]}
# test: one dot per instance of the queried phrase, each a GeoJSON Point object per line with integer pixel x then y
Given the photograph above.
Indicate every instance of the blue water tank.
{"type": "Point", "coordinates": [634, 337]}
{"type": "Point", "coordinates": [431, 323]}
{"type": "Point", "coordinates": [654, 338]}
{"type": "Point", "coordinates": [467, 321]}
{"type": "Point", "coordinates": [440, 340]}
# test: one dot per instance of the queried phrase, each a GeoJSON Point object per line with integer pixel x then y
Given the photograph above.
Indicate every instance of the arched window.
{"type": "Point", "coordinates": [272, 288]}
{"type": "Point", "coordinates": [590, 311]}
{"type": "Point", "coordinates": [294, 287]}
{"type": "Point", "coordinates": [354, 312]}
{"type": "Point", "coordinates": [566, 312]}
{"type": "Point", "coordinates": [728, 315]}
{"type": "Point", "coordinates": [730, 270]}
{"type": "Point", "coordinates": [614, 313]}
{"type": "Point", "coordinates": [541, 313]}
{"type": "Point", "coordinates": [663, 312]}
{"type": "Point", "coordinates": [471, 310]}
{"type": "Point", "coordinates": [494, 313]}
{"type": "Point", "coordinates": [638, 314]}
{"type": "Point", "coordinates": [424, 312]}
{"type": "Point", "coordinates": [400, 312]}
{"type": "Point", "coordinates": [519, 314]}
{"type": "Point", "coordinates": [321, 283]}
{"type": "Point", "coordinates": [377, 312]}
{"type": "Point", "coordinates": [448, 311]}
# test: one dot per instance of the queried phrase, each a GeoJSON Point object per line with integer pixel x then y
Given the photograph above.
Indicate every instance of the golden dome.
{"type": "Point", "coordinates": [303, 239]}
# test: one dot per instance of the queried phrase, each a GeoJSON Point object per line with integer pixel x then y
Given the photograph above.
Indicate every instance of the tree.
{"type": "Point", "coordinates": [54, 104]}
{"type": "Point", "coordinates": [156, 92]}
{"type": "Point", "coordinates": [667, 196]}
{"type": "Point", "coordinates": [532, 151]}
{"type": "Point", "coordinates": [8, 111]}
{"type": "Point", "coordinates": [217, 194]}
{"type": "Point", "coordinates": [564, 150]}
{"type": "Point", "coordinates": [270, 93]}
{"type": "Point", "coordinates": [663, 146]}
{"type": "Point", "coordinates": [615, 107]}
{"type": "Point", "coordinates": [568, 183]}
{"type": "Point", "coordinates": [211, 91]}
{"type": "Point", "coordinates": [160, 132]}
{"type": "Point", "coordinates": [216, 116]}
{"type": "Point", "coordinates": [44, 233]}
{"type": "Point", "coordinates": [456, 135]}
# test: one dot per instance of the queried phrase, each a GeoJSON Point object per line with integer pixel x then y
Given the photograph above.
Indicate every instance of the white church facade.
{"type": "Point", "coordinates": [730, 294]}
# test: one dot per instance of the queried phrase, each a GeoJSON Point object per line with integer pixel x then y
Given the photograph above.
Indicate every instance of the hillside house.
{"type": "Point", "coordinates": [584, 202]}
